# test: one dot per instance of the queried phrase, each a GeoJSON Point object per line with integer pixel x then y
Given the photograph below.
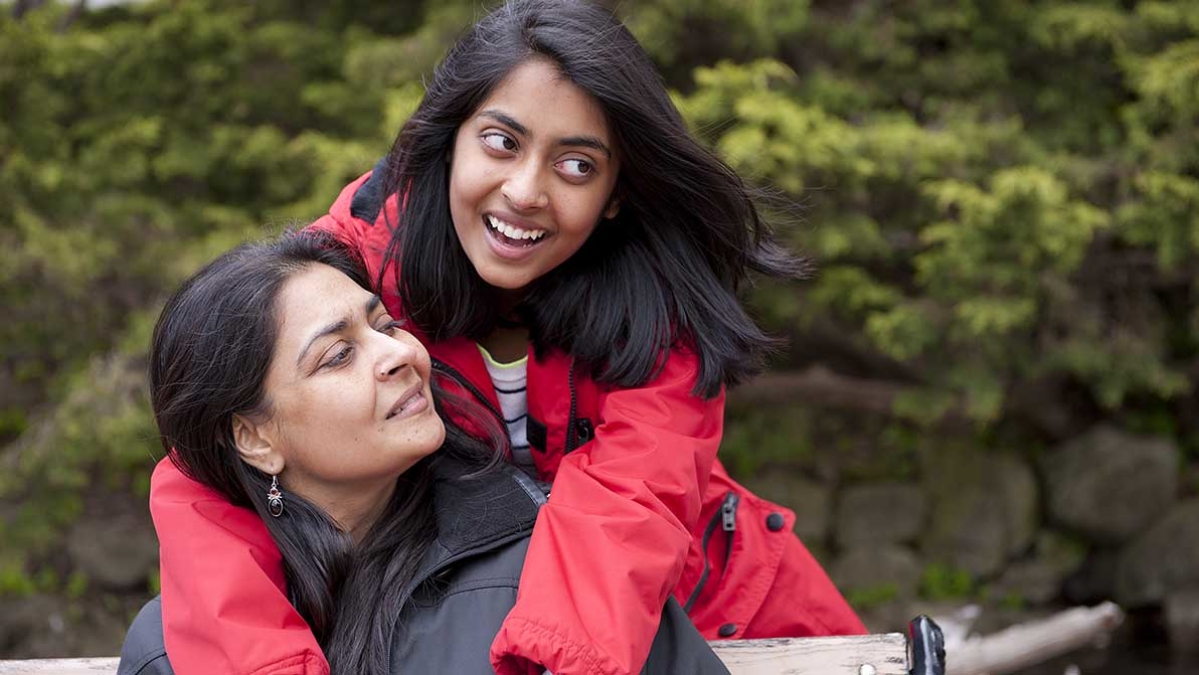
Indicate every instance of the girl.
{"type": "Point", "coordinates": [571, 256]}
{"type": "Point", "coordinates": [276, 371]}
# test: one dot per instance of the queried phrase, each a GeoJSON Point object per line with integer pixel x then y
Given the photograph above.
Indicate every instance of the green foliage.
{"type": "Point", "coordinates": [862, 599]}
{"type": "Point", "coordinates": [995, 191]}
{"type": "Point", "coordinates": [941, 582]}
{"type": "Point", "coordinates": [134, 146]}
{"type": "Point", "coordinates": [756, 439]}
{"type": "Point", "coordinates": [976, 198]}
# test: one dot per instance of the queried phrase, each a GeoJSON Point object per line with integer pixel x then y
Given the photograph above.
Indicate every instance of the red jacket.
{"type": "Point", "coordinates": [640, 509]}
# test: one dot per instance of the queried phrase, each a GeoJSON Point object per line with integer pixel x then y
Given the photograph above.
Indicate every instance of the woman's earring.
{"type": "Point", "coordinates": [274, 498]}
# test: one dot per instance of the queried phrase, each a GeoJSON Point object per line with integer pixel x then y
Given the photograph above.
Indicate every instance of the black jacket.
{"type": "Point", "coordinates": [450, 614]}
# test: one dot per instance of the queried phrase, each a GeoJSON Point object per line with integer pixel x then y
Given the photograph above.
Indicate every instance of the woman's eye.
{"type": "Point", "coordinates": [497, 141]}
{"type": "Point", "coordinates": [340, 357]}
{"type": "Point", "coordinates": [576, 168]}
{"type": "Point", "coordinates": [390, 327]}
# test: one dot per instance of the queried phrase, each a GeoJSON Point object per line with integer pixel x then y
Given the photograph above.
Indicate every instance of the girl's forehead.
{"type": "Point", "coordinates": [536, 95]}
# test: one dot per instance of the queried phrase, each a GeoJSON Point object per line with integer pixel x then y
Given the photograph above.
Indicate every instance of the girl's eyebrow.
{"type": "Point", "coordinates": [336, 327]}
{"type": "Point", "coordinates": [578, 141]}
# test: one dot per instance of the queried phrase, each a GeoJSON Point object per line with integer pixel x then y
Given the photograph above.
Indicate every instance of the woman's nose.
{"type": "Point", "coordinates": [524, 189]}
{"type": "Point", "coordinates": [395, 356]}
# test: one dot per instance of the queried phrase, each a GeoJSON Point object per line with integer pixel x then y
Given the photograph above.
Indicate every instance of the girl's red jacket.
{"type": "Point", "coordinates": [640, 509]}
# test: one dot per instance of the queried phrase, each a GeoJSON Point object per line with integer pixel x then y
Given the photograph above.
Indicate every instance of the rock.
{"type": "Point", "coordinates": [1018, 484]}
{"type": "Point", "coordinates": [22, 619]}
{"type": "Point", "coordinates": [1182, 622]}
{"type": "Point", "coordinates": [880, 513]}
{"type": "Point", "coordinates": [1050, 404]}
{"type": "Point", "coordinates": [44, 626]}
{"type": "Point", "coordinates": [116, 552]}
{"type": "Point", "coordinates": [887, 617]}
{"type": "Point", "coordinates": [886, 572]}
{"type": "Point", "coordinates": [983, 510]}
{"type": "Point", "coordinates": [1109, 485]}
{"type": "Point", "coordinates": [809, 500]}
{"type": "Point", "coordinates": [1095, 580]}
{"type": "Point", "coordinates": [1039, 578]}
{"type": "Point", "coordinates": [1162, 560]}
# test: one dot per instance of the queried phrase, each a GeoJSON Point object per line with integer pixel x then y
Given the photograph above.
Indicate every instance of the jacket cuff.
{"type": "Point", "coordinates": [522, 644]}
{"type": "Point", "coordinates": [306, 663]}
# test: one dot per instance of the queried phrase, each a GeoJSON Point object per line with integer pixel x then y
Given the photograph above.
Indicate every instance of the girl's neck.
{"type": "Point", "coordinates": [509, 341]}
{"type": "Point", "coordinates": [507, 344]}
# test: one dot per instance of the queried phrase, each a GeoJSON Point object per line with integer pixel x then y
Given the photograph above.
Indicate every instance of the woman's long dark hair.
{"type": "Point", "coordinates": [209, 357]}
{"type": "Point", "coordinates": [664, 272]}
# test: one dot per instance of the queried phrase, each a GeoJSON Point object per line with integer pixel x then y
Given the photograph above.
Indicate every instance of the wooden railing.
{"type": "Point", "coordinates": [886, 654]}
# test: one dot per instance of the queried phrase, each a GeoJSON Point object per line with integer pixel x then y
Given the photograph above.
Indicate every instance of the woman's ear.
{"type": "Point", "coordinates": [256, 445]}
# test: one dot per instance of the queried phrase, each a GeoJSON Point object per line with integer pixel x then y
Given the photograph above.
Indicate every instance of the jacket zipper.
{"type": "Point", "coordinates": [726, 517]}
{"type": "Point", "coordinates": [578, 431]}
{"type": "Point", "coordinates": [728, 522]}
{"type": "Point", "coordinates": [572, 436]}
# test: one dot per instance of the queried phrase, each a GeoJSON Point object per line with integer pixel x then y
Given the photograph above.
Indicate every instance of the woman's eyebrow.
{"type": "Point", "coordinates": [337, 327]}
{"type": "Point", "coordinates": [577, 141]}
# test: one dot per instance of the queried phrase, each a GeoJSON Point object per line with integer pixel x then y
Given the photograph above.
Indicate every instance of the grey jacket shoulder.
{"type": "Point", "coordinates": [143, 652]}
{"type": "Point", "coordinates": [448, 627]}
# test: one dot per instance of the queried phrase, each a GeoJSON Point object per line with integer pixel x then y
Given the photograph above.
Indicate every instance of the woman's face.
{"type": "Point", "coordinates": [350, 403]}
{"type": "Point", "coordinates": [532, 174]}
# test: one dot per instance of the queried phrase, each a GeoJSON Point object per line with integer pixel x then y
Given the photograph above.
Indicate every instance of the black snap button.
{"type": "Point", "coordinates": [775, 522]}
{"type": "Point", "coordinates": [727, 630]}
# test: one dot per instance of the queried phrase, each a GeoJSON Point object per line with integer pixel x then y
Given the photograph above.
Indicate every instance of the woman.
{"type": "Point", "coordinates": [280, 382]}
{"type": "Point", "coordinates": [570, 255]}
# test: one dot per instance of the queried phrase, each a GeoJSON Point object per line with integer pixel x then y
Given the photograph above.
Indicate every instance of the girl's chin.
{"type": "Point", "coordinates": [503, 278]}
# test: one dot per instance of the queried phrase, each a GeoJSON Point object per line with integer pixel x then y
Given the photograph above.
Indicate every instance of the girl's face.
{"type": "Point", "coordinates": [351, 408]}
{"type": "Point", "coordinates": [532, 174]}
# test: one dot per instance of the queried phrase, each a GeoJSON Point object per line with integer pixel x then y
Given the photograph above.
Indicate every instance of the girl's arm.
{"type": "Point", "coordinates": [224, 605]}
{"type": "Point", "coordinates": [609, 546]}
{"type": "Point", "coordinates": [223, 602]}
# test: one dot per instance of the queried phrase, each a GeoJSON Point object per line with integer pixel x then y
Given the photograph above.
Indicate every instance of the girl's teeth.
{"type": "Point", "coordinates": [513, 232]}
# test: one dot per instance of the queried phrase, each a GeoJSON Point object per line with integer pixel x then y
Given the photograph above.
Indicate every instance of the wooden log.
{"type": "Point", "coordinates": [95, 666]}
{"type": "Point", "coordinates": [884, 654]}
{"type": "Point", "coordinates": [1027, 644]}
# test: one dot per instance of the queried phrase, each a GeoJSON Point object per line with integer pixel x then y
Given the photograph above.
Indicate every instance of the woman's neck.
{"type": "Point", "coordinates": [356, 512]}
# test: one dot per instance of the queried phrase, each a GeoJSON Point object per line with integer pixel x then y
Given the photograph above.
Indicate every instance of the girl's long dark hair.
{"type": "Point", "coordinates": [665, 272]}
{"type": "Point", "coordinates": [209, 357]}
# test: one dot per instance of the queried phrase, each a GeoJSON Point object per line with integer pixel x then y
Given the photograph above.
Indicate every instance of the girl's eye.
{"type": "Point", "coordinates": [576, 168]}
{"type": "Point", "coordinates": [497, 141]}
{"type": "Point", "coordinates": [339, 358]}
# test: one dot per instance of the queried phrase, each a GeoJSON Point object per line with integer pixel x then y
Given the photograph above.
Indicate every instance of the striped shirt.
{"type": "Point", "coordinates": [511, 388]}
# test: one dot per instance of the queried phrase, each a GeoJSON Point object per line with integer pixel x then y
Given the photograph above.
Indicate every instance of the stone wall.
{"type": "Point", "coordinates": [1102, 516]}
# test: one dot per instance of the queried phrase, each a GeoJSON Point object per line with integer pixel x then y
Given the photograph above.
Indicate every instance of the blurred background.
{"type": "Point", "coordinates": [988, 392]}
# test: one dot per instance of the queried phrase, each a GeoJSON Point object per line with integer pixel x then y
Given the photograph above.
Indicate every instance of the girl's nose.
{"type": "Point", "coordinates": [524, 191]}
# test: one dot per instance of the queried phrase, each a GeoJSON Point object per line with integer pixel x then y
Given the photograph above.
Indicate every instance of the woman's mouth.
{"type": "Point", "coordinates": [409, 404]}
{"type": "Point", "coordinates": [511, 241]}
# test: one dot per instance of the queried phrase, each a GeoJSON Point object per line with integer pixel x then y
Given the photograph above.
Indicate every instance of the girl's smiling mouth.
{"type": "Point", "coordinates": [511, 241]}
